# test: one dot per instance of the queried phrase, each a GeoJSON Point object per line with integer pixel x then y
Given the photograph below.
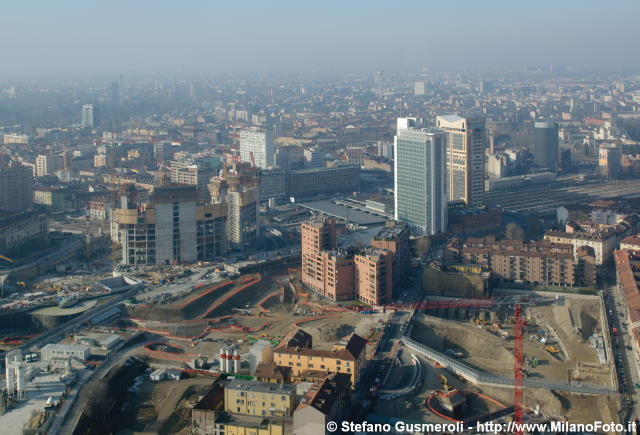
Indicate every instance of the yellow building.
{"type": "Point", "coordinates": [259, 399]}
{"type": "Point", "coordinates": [347, 357]}
{"type": "Point", "coordinates": [258, 427]}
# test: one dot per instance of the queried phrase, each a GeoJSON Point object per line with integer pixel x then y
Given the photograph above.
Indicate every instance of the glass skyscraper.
{"type": "Point", "coordinates": [419, 178]}
{"type": "Point", "coordinates": [545, 145]}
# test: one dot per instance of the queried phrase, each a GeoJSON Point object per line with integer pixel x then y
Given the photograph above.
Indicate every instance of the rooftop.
{"type": "Point", "coordinates": [260, 387]}
{"type": "Point", "coordinates": [332, 209]}
{"type": "Point", "coordinates": [632, 240]}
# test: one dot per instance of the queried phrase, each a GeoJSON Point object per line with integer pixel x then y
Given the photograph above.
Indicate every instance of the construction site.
{"type": "Point", "coordinates": [566, 361]}
{"type": "Point", "coordinates": [268, 305]}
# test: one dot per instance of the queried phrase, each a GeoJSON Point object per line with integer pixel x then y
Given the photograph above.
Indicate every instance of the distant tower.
{"type": "Point", "coordinates": [87, 115]}
{"type": "Point", "coordinates": [115, 94]}
{"type": "Point", "coordinates": [545, 145]}
{"type": "Point", "coordinates": [492, 141]}
{"type": "Point", "coordinates": [379, 74]}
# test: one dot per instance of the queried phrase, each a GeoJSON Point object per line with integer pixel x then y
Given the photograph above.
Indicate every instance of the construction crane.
{"type": "Point", "coordinates": [7, 259]}
{"type": "Point", "coordinates": [114, 200]}
{"type": "Point", "coordinates": [253, 160]}
{"type": "Point", "coordinates": [518, 302]}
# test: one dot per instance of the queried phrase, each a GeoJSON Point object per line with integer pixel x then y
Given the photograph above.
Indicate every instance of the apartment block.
{"type": "Point", "coordinates": [259, 399]}
{"type": "Point", "coordinates": [16, 188]}
{"type": "Point", "coordinates": [22, 231]}
{"type": "Point", "coordinates": [394, 237]}
{"type": "Point", "coordinates": [241, 407]}
{"type": "Point", "coordinates": [348, 356]}
{"type": "Point", "coordinates": [193, 174]}
{"type": "Point", "coordinates": [540, 262]}
{"type": "Point", "coordinates": [374, 276]}
{"type": "Point", "coordinates": [603, 241]}
{"type": "Point", "coordinates": [339, 274]}
{"type": "Point", "coordinates": [48, 164]}
{"type": "Point", "coordinates": [322, 403]}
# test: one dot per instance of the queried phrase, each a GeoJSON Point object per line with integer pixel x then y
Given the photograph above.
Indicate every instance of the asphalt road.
{"type": "Point", "coordinates": [361, 402]}
{"type": "Point", "coordinates": [61, 332]}
{"type": "Point", "coordinates": [626, 362]}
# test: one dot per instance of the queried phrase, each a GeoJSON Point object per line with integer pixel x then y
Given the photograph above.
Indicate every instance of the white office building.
{"type": "Point", "coordinates": [256, 145]}
{"type": "Point", "coordinates": [87, 115]}
{"type": "Point", "coordinates": [419, 178]}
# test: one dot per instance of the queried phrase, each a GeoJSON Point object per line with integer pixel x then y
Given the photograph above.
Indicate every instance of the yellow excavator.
{"type": "Point", "coordinates": [552, 349]}
{"type": "Point", "coordinates": [445, 384]}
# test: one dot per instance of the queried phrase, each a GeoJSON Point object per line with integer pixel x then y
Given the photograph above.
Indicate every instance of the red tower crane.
{"type": "Point", "coordinates": [518, 357]}
{"type": "Point", "coordinates": [518, 301]}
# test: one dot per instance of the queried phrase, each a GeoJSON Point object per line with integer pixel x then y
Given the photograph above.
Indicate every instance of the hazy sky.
{"type": "Point", "coordinates": [83, 37]}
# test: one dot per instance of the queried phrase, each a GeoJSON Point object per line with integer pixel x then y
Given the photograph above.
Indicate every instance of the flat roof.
{"type": "Point", "coordinates": [339, 211]}
{"type": "Point", "coordinates": [260, 387]}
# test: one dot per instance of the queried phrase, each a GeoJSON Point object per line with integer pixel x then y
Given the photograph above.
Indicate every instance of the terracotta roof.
{"type": "Point", "coordinates": [323, 395]}
{"type": "Point", "coordinates": [352, 349]}
{"type": "Point", "coordinates": [272, 371]}
{"type": "Point", "coordinates": [212, 399]}
{"type": "Point", "coordinates": [632, 240]}
{"type": "Point", "coordinates": [297, 338]}
{"type": "Point", "coordinates": [628, 262]}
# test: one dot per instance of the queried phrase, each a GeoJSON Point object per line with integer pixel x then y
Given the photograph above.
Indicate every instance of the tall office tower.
{"type": "Point", "coordinates": [418, 88]}
{"type": "Point", "coordinates": [175, 223]}
{"type": "Point", "coordinates": [465, 143]}
{"type": "Point", "coordinates": [545, 145]}
{"type": "Point", "coordinates": [419, 169]}
{"type": "Point", "coordinates": [87, 115]}
{"type": "Point", "coordinates": [256, 145]}
{"type": "Point", "coordinates": [48, 164]}
{"type": "Point", "coordinates": [114, 90]}
{"type": "Point", "coordinates": [16, 187]}
{"type": "Point", "coordinates": [170, 229]}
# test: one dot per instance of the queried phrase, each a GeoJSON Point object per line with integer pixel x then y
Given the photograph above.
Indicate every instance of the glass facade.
{"type": "Point", "coordinates": [419, 180]}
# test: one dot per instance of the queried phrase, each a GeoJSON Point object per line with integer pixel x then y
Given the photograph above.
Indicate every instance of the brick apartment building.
{"type": "Point", "coordinates": [341, 275]}
{"type": "Point", "coordinates": [541, 262]}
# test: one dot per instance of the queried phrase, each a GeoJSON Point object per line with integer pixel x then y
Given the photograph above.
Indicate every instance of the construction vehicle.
{"type": "Point", "coordinates": [445, 384]}
{"type": "Point", "coordinates": [552, 349]}
{"type": "Point", "coordinates": [518, 302]}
